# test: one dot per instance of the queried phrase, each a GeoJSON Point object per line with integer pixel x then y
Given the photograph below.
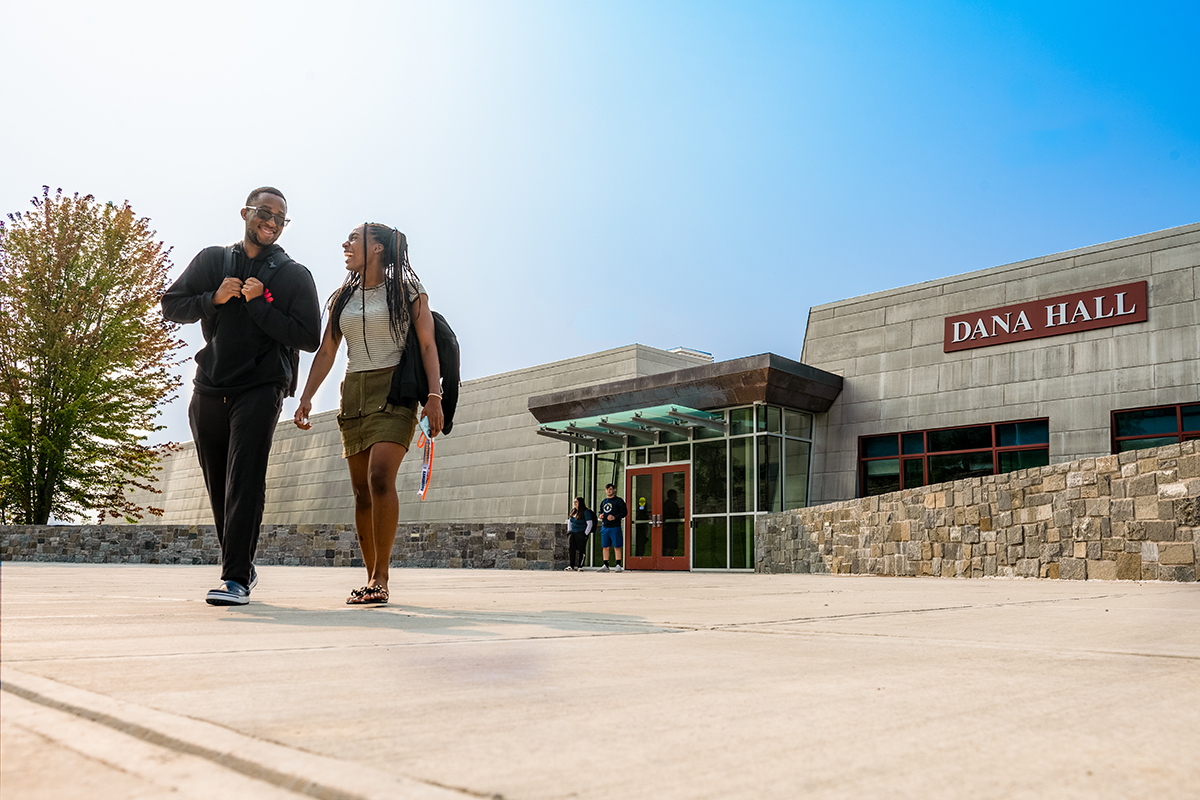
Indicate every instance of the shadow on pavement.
{"type": "Point", "coordinates": [436, 621]}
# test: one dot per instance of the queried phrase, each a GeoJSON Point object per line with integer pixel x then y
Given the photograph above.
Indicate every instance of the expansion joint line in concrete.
{"type": "Point", "coordinates": [248, 768]}
{"type": "Point", "coordinates": [896, 612]}
{"type": "Point", "coordinates": [751, 628]}
{"type": "Point", "coordinates": [292, 783]}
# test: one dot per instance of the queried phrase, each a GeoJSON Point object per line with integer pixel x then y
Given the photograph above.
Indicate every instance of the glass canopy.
{"type": "Point", "coordinates": [643, 423]}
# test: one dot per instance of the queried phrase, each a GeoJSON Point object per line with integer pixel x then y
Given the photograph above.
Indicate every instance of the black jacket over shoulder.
{"type": "Point", "coordinates": [409, 381]}
{"type": "Point", "coordinates": [247, 343]}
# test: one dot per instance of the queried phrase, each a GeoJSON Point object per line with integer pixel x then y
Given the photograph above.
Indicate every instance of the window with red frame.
{"type": "Point", "coordinates": [1139, 428]}
{"type": "Point", "coordinates": [897, 461]}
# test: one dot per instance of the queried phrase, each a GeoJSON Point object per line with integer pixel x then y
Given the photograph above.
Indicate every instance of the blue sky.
{"type": "Point", "coordinates": [576, 176]}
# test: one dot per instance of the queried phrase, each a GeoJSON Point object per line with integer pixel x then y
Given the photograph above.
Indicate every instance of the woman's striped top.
{"type": "Point", "coordinates": [367, 311]}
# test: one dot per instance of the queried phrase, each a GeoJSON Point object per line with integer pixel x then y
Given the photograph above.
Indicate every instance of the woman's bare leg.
{"type": "Point", "coordinates": [385, 458]}
{"type": "Point", "coordinates": [364, 521]}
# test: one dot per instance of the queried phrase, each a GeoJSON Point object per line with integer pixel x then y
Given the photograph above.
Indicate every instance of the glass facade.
{"type": "Point", "coordinates": [898, 461]}
{"type": "Point", "coordinates": [1139, 428]}
{"type": "Point", "coordinates": [760, 465]}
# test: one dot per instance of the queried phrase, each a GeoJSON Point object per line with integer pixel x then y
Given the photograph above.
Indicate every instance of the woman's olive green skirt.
{"type": "Point", "coordinates": [367, 417]}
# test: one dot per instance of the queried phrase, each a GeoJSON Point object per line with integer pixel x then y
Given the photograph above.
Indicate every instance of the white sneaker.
{"type": "Point", "coordinates": [619, 568]}
{"type": "Point", "coordinates": [604, 568]}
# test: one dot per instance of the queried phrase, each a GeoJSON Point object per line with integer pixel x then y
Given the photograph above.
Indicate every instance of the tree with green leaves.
{"type": "Point", "coordinates": [85, 360]}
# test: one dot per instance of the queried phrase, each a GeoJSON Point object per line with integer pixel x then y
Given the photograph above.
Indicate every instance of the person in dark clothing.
{"type": "Point", "coordinates": [672, 524]}
{"type": "Point", "coordinates": [579, 524]}
{"type": "Point", "coordinates": [256, 308]}
{"type": "Point", "coordinates": [612, 516]}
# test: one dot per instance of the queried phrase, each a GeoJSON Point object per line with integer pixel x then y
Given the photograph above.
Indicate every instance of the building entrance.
{"type": "Point", "coordinates": [658, 518]}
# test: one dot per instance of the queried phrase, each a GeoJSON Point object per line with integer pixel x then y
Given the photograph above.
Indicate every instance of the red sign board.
{"type": "Point", "coordinates": [1070, 313]}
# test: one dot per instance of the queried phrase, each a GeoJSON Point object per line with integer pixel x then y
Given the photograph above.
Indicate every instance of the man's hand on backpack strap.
{"type": "Point", "coordinates": [229, 289]}
{"type": "Point", "coordinates": [252, 288]}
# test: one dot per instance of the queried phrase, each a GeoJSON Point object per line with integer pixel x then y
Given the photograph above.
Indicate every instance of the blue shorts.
{"type": "Point", "coordinates": [611, 537]}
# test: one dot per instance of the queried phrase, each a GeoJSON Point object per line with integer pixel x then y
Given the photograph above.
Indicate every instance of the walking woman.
{"type": "Point", "coordinates": [373, 310]}
{"type": "Point", "coordinates": [579, 524]}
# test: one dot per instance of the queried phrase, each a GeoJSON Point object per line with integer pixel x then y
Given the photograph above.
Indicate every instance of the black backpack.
{"type": "Point", "coordinates": [409, 381]}
{"type": "Point", "coordinates": [280, 259]}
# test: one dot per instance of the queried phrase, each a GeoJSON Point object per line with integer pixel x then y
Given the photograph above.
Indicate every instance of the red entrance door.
{"type": "Point", "coordinates": [658, 518]}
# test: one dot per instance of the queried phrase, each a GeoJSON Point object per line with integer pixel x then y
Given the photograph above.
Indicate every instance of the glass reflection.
{"type": "Point", "coordinates": [882, 476]}
{"type": "Point", "coordinates": [1023, 459]}
{"type": "Point", "coordinates": [741, 543]}
{"type": "Point", "coordinates": [796, 423]}
{"type": "Point", "coordinates": [1143, 444]}
{"type": "Point", "coordinates": [959, 439]}
{"type": "Point", "coordinates": [795, 476]}
{"type": "Point", "coordinates": [741, 420]}
{"type": "Point", "coordinates": [878, 446]}
{"type": "Point", "coordinates": [959, 466]}
{"type": "Point", "coordinates": [643, 486]}
{"type": "Point", "coordinates": [741, 474]}
{"type": "Point", "coordinates": [709, 471]}
{"type": "Point", "coordinates": [1012, 434]}
{"type": "Point", "coordinates": [770, 458]}
{"type": "Point", "coordinates": [914, 472]}
{"type": "Point", "coordinates": [1146, 423]}
{"type": "Point", "coordinates": [674, 496]}
{"type": "Point", "coordinates": [709, 544]}
{"type": "Point", "coordinates": [769, 419]}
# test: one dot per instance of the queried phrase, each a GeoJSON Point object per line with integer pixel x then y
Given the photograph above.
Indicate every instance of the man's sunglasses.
{"type": "Point", "coordinates": [264, 213]}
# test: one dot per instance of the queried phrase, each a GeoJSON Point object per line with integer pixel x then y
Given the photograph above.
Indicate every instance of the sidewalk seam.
{"type": "Point", "coordinates": [250, 769]}
{"type": "Point", "coordinates": [364, 782]}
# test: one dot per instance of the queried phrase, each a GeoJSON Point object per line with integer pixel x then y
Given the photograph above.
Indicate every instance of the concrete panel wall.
{"type": "Point", "coordinates": [888, 347]}
{"type": "Point", "coordinates": [493, 466]}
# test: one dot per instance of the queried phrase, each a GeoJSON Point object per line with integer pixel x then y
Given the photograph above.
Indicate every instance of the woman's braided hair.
{"type": "Point", "coordinates": [397, 273]}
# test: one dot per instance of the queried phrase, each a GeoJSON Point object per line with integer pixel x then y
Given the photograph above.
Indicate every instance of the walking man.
{"type": "Point", "coordinates": [612, 514]}
{"type": "Point", "coordinates": [257, 308]}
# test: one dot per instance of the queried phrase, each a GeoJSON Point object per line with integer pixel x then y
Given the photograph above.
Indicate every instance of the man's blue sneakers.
{"type": "Point", "coordinates": [229, 593]}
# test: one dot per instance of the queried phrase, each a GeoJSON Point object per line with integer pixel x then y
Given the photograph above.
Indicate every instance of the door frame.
{"type": "Point", "coordinates": [657, 561]}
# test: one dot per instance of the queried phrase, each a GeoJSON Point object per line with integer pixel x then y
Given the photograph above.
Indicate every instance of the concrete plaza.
{"type": "Point", "coordinates": [120, 682]}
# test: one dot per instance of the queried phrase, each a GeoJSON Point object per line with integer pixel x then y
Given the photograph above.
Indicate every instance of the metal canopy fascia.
{"type": "Point", "coordinates": [765, 378]}
{"type": "Point", "coordinates": [644, 423]}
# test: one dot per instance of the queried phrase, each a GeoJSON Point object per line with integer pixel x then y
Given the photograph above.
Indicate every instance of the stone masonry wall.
{"type": "Point", "coordinates": [1132, 516]}
{"type": "Point", "coordinates": [472, 546]}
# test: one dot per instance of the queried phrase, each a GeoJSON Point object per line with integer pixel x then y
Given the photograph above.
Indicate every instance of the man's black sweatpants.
{"type": "Point", "coordinates": [233, 436]}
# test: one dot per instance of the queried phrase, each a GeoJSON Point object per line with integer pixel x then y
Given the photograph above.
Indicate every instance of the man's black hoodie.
{"type": "Point", "coordinates": [247, 342]}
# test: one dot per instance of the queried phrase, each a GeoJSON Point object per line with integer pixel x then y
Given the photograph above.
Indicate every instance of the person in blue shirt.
{"type": "Point", "coordinates": [612, 514]}
{"type": "Point", "coordinates": [579, 524]}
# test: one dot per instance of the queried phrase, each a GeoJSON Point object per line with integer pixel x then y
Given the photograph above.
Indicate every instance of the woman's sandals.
{"type": "Point", "coordinates": [368, 596]}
